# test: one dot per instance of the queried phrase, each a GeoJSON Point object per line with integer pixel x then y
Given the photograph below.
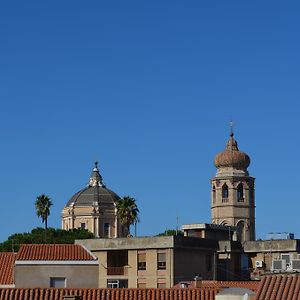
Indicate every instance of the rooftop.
{"type": "Point", "coordinates": [279, 287]}
{"type": "Point", "coordinates": [95, 194]}
{"type": "Point", "coordinates": [109, 294]}
{"type": "Point", "coordinates": [208, 226]}
{"type": "Point", "coordinates": [251, 285]}
{"type": "Point", "coordinates": [7, 260]}
{"type": "Point", "coordinates": [63, 252]}
{"type": "Point", "coordinates": [272, 246]}
{"type": "Point", "coordinates": [157, 242]}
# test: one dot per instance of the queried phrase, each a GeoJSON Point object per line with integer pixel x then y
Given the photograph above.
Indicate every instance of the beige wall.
{"type": "Point", "coordinates": [151, 276]}
{"type": "Point", "coordinates": [181, 264]}
{"type": "Point", "coordinates": [73, 218]}
{"type": "Point", "coordinates": [185, 258]}
{"type": "Point", "coordinates": [77, 276]}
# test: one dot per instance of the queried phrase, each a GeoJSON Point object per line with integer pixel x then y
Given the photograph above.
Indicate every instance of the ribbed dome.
{"type": "Point", "coordinates": [232, 157]}
{"type": "Point", "coordinates": [95, 193]}
{"type": "Point", "coordinates": [89, 195]}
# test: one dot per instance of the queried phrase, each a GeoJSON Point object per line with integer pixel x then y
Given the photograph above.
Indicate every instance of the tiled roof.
{"type": "Point", "coordinates": [109, 294]}
{"type": "Point", "coordinates": [7, 260]}
{"type": "Point", "coordinates": [53, 252]}
{"type": "Point", "coordinates": [279, 287]}
{"type": "Point", "coordinates": [251, 285]}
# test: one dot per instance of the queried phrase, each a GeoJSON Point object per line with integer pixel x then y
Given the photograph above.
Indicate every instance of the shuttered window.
{"type": "Point", "coordinates": [161, 261]}
{"type": "Point", "coordinates": [141, 261]}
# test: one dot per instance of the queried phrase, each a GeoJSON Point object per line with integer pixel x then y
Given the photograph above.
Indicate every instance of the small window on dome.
{"type": "Point", "coordinates": [225, 193]}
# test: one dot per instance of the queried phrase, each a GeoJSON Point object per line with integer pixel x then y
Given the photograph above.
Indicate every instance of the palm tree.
{"type": "Point", "coordinates": [127, 212]}
{"type": "Point", "coordinates": [42, 206]}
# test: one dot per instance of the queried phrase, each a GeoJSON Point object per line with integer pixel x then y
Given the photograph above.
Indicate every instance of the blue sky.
{"type": "Point", "coordinates": [148, 88]}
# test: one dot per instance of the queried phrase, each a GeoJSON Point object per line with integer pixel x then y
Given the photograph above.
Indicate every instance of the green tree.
{"type": "Point", "coordinates": [127, 212]}
{"type": "Point", "coordinates": [169, 232]}
{"type": "Point", "coordinates": [42, 206]}
{"type": "Point", "coordinates": [37, 236]}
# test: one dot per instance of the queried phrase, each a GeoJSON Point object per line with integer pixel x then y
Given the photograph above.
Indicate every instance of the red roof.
{"type": "Point", "coordinates": [53, 252]}
{"type": "Point", "coordinates": [251, 285]}
{"type": "Point", "coordinates": [279, 287]}
{"type": "Point", "coordinates": [109, 294]}
{"type": "Point", "coordinates": [7, 260]}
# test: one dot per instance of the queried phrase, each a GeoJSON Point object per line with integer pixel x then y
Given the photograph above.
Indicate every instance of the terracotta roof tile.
{"type": "Point", "coordinates": [109, 294]}
{"type": "Point", "coordinates": [7, 260]}
{"type": "Point", "coordinates": [53, 252]}
{"type": "Point", "coordinates": [279, 287]}
{"type": "Point", "coordinates": [252, 285]}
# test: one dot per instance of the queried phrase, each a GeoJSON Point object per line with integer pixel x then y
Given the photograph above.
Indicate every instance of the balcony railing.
{"type": "Point", "coordinates": [115, 271]}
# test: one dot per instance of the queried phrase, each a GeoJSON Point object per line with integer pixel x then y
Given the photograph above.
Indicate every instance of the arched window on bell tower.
{"type": "Point", "coordinates": [214, 194]}
{"type": "Point", "coordinates": [225, 193]}
{"type": "Point", "coordinates": [240, 193]}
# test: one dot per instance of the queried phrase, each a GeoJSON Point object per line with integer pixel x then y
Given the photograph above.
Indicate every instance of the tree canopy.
{"type": "Point", "coordinates": [36, 236]}
{"type": "Point", "coordinates": [169, 232]}
{"type": "Point", "coordinates": [42, 206]}
{"type": "Point", "coordinates": [127, 211]}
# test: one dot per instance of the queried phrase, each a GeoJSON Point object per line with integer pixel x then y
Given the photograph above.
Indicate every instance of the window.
{"type": "Point", "coordinates": [82, 225]}
{"type": "Point", "coordinates": [161, 285]}
{"type": "Point", "coordinates": [251, 195]}
{"type": "Point", "coordinates": [214, 194]}
{"type": "Point", "coordinates": [112, 284]}
{"type": "Point", "coordinates": [287, 257]}
{"type": "Point", "coordinates": [240, 193]}
{"type": "Point", "coordinates": [161, 261]}
{"type": "Point", "coordinates": [106, 230]}
{"type": "Point", "coordinates": [141, 285]}
{"type": "Point", "coordinates": [58, 282]}
{"type": "Point", "coordinates": [141, 261]}
{"type": "Point", "coordinates": [225, 193]}
{"type": "Point", "coordinates": [117, 283]}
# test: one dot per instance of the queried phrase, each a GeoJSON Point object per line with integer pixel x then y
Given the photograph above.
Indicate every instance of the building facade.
{"type": "Point", "coordinates": [152, 262]}
{"type": "Point", "coordinates": [55, 266]}
{"type": "Point", "coordinates": [232, 192]}
{"type": "Point", "coordinates": [94, 208]}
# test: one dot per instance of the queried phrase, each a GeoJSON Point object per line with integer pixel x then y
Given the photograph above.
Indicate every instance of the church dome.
{"type": "Point", "coordinates": [232, 157]}
{"type": "Point", "coordinates": [95, 194]}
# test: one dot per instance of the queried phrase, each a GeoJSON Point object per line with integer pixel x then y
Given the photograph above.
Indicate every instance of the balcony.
{"type": "Point", "coordinates": [117, 260]}
{"type": "Point", "coordinates": [116, 271]}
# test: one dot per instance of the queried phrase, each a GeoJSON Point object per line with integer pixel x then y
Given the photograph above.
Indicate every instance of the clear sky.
{"type": "Point", "coordinates": [148, 88]}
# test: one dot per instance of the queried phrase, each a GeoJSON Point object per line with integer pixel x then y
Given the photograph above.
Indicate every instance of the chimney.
{"type": "Point", "coordinates": [198, 281]}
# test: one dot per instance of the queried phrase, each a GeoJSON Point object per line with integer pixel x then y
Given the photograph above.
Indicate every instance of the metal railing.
{"type": "Point", "coordinates": [115, 271]}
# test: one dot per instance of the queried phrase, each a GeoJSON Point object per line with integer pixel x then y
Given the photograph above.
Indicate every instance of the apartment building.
{"type": "Point", "coordinates": [152, 262]}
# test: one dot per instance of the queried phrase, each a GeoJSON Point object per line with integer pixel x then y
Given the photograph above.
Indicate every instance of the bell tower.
{"type": "Point", "coordinates": [232, 191]}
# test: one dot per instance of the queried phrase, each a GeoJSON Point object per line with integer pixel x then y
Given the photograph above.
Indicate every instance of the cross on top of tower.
{"type": "Point", "coordinates": [231, 127]}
